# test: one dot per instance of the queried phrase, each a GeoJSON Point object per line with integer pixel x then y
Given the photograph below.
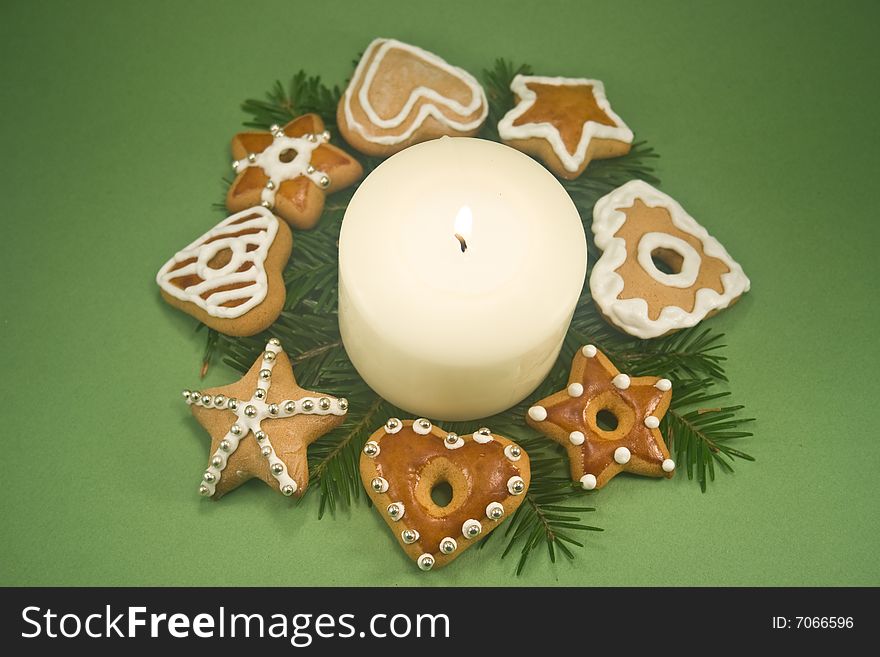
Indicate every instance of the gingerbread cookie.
{"type": "Point", "coordinates": [261, 425]}
{"type": "Point", "coordinates": [402, 463]}
{"type": "Point", "coordinates": [566, 122]}
{"type": "Point", "coordinates": [636, 226]}
{"type": "Point", "coordinates": [607, 421]}
{"type": "Point", "coordinates": [230, 277]}
{"type": "Point", "coordinates": [290, 170]}
{"type": "Point", "coordinates": [400, 95]}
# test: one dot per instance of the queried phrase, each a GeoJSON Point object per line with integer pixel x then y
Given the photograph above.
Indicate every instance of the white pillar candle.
{"type": "Point", "coordinates": [460, 265]}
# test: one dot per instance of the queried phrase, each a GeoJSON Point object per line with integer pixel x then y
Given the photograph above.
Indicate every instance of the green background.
{"type": "Point", "coordinates": [116, 119]}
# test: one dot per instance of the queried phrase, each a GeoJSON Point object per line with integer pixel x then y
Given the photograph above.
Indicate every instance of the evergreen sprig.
{"type": "Point", "coordinates": [698, 431]}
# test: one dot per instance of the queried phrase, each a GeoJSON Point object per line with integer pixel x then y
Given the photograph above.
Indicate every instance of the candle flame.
{"type": "Point", "coordinates": [464, 220]}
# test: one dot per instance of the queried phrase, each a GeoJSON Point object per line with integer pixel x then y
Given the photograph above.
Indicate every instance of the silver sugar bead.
{"type": "Point", "coordinates": [472, 528]}
{"type": "Point", "coordinates": [310, 169]}
{"type": "Point", "coordinates": [308, 405]}
{"type": "Point", "coordinates": [274, 128]}
{"type": "Point", "coordinates": [186, 394]}
{"type": "Point", "coordinates": [325, 135]}
{"type": "Point", "coordinates": [451, 438]}
{"type": "Point", "coordinates": [260, 393]}
{"type": "Point", "coordinates": [235, 430]}
{"type": "Point", "coordinates": [261, 435]}
{"type": "Point", "coordinates": [277, 468]}
{"type": "Point", "coordinates": [204, 490]}
{"type": "Point", "coordinates": [288, 490]}
{"type": "Point", "coordinates": [251, 157]}
{"type": "Point", "coordinates": [395, 510]}
{"type": "Point", "coordinates": [265, 375]}
{"type": "Point", "coordinates": [343, 404]}
{"type": "Point", "coordinates": [424, 424]}
{"type": "Point", "coordinates": [270, 185]}
{"type": "Point", "coordinates": [207, 400]}
{"type": "Point", "coordinates": [324, 404]}
{"type": "Point", "coordinates": [273, 409]}
{"type": "Point", "coordinates": [266, 451]}
{"type": "Point", "coordinates": [266, 205]}
{"type": "Point", "coordinates": [426, 562]}
{"type": "Point", "coordinates": [409, 536]}
{"type": "Point", "coordinates": [275, 341]}
{"type": "Point", "coordinates": [371, 449]}
{"type": "Point", "coordinates": [379, 485]}
{"type": "Point", "coordinates": [484, 431]}
{"type": "Point", "coordinates": [219, 400]}
{"type": "Point", "coordinates": [224, 445]}
{"type": "Point", "coordinates": [448, 545]}
{"type": "Point", "coordinates": [312, 137]}
{"type": "Point", "coordinates": [235, 165]}
{"type": "Point", "coordinates": [209, 477]}
{"type": "Point", "coordinates": [392, 424]}
{"type": "Point", "coordinates": [250, 411]}
{"type": "Point", "coordinates": [217, 461]}
{"type": "Point", "coordinates": [232, 404]}
{"type": "Point", "coordinates": [269, 356]}
{"type": "Point", "coordinates": [515, 451]}
{"type": "Point", "coordinates": [324, 181]}
{"type": "Point", "coordinates": [290, 407]}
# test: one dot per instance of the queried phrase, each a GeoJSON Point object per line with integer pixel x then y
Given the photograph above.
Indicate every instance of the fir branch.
{"type": "Point", "coordinates": [303, 94]}
{"type": "Point", "coordinates": [501, 99]}
{"type": "Point", "coordinates": [699, 434]}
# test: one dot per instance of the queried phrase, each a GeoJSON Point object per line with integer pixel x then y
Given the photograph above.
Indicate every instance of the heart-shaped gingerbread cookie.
{"type": "Point", "coordinates": [405, 460]}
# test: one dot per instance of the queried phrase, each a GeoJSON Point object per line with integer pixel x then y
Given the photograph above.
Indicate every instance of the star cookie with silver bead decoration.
{"type": "Point", "coordinates": [405, 460]}
{"type": "Point", "coordinates": [261, 425]}
{"type": "Point", "coordinates": [608, 422]}
{"type": "Point", "coordinates": [289, 170]}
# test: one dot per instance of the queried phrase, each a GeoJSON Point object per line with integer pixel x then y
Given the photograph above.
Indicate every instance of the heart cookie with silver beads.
{"type": "Point", "coordinates": [404, 465]}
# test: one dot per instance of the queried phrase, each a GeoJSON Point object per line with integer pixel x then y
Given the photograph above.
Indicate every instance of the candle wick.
{"type": "Point", "coordinates": [461, 242]}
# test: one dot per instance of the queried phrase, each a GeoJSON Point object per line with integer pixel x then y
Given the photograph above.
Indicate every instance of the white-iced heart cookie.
{"type": "Point", "coordinates": [400, 95]}
{"type": "Point", "coordinates": [230, 277]}
{"type": "Point", "coordinates": [660, 270]}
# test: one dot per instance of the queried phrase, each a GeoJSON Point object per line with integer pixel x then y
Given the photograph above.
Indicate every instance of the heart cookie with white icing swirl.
{"type": "Point", "coordinates": [406, 460]}
{"type": "Point", "coordinates": [660, 270]}
{"type": "Point", "coordinates": [400, 95]}
{"type": "Point", "coordinates": [230, 277]}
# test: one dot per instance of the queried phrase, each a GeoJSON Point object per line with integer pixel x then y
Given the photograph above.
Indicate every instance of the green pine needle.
{"type": "Point", "coordinates": [698, 431]}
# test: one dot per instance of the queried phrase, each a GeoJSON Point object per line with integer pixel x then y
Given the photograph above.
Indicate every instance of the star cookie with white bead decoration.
{"type": "Point", "coordinates": [290, 170]}
{"type": "Point", "coordinates": [404, 462]}
{"type": "Point", "coordinates": [566, 122]}
{"type": "Point", "coordinates": [261, 425]}
{"type": "Point", "coordinates": [608, 422]}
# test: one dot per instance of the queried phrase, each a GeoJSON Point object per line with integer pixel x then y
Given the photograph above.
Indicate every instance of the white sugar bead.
{"type": "Point", "coordinates": [622, 455]}
{"type": "Point", "coordinates": [621, 381]}
{"type": "Point", "coordinates": [576, 438]}
{"type": "Point", "coordinates": [538, 413]}
{"type": "Point", "coordinates": [668, 465]}
{"type": "Point", "coordinates": [575, 390]}
{"type": "Point", "coordinates": [652, 422]}
{"type": "Point", "coordinates": [588, 481]}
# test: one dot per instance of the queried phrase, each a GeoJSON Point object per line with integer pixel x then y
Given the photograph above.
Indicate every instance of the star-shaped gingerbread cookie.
{"type": "Point", "coordinates": [566, 122]}
{"type": "Point", "coordinates": [261, 425]}
{"type": "Point", "coordinates": [289, 170]}
{"type": "Point", "coordinates": [607, 421]}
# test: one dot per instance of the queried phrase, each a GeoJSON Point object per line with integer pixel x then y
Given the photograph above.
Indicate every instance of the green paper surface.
{"type": "Point", "coordinates": [116, 121]}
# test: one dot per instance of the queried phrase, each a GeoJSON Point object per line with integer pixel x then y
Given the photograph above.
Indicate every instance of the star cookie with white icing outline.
{"type": "Point", "coordinates": [404, 460]}
{"type": "Point", "coordinates": [261, 425]}
{"type": "Point", "coordinates": [596, 454]}
{"type": "Point", "coordinates": [566, 122]}
{"type": "Point", "coordinates": [290, 170]}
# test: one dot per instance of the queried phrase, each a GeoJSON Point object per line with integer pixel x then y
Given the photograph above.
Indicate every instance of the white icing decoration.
{"type": "Point", "coordinates": [467, 525]}
{"type": "Point", "coordinates": [575, 390]}
{"type": "Point", "coordinates": [419, 429]}
{"type": "Point", "coordinates": [668, 465]}
{"type": "Point", "coordinates": [458, 443]}
{"type": "Point", "coordinates": [245, 424]}
{"type": "Point", "coordinates": [664, 384]}
{"type": "Point", "coordinates": [589, 351]}
{"type": "Point", "coordinates": [588, 482]}
{"type": "Point", "coordinates": [491, 507]}
{"type": "Point", "coordinates": [432, 108]}
{"type": "Point", "coordinates": [652, 422]}
{"type": "Point", "coordinates": [508, 452]}
{"type": "Point", "coordinates": [538, 413]}
{"type": "Point", "coordinates": [590, 130]}
{"type": "Point", "coordinates": [203, 252]}
{"type": "Point", "coordinates": [621, 381]}
{"type": "Point", "coordinates": [631, 315]}
{"type": "Point", "coordinates": [576, 438]}
{"type": "Point", "coordinates": [278, 171]}
{"type": "Point", "coordinates": [480, 438]}
{"type": "Point", "coordinates": [690, 265]}
{"type": "Point", "coordinates": [622, 455]}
